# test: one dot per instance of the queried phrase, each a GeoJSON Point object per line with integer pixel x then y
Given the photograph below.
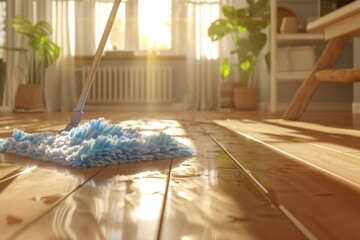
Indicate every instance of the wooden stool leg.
{"type": "Point", "coordinates": [327, 60]}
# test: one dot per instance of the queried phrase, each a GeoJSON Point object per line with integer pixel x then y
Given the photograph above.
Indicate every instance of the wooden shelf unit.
{"type": "Point", "coordinates": [287, 39]}
{"type": "Point", "coordinates": [291, 76]}
{"type": "Point", "coordinates": [301, 38]}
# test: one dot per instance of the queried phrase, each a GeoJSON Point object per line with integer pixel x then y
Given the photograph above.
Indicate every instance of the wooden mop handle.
{"type": "Point", "coordinates": [99, 52]}
{"type": "Point", "coordinates": [77, 113]}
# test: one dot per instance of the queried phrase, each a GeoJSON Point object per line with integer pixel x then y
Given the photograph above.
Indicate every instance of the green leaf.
{"type": "Point", "coordinates": [218, 29]}
{"type": "Point", "coordinates": [47, 51]}
{"type": "Point", "coordinates": [257, 43]}
{"type": "Point", "coordinates": [240, 29]}
{"type": "Point", "coordinates": [246, 27]}
{"type": "Point", "coordinates": [242, 48]}
{"type": "Point", "coordinates": [259, 8]}
{"type": "Point", "coordinates": [251, 3]}
{"type": "Point", "coordinates": [22, 25]}
{"type": "Point", "coordinates": [42, 28]}
{"type": "Point", "coordinates": [245, 66]}
{"type": "Point", "coordinates": [240, 13]}
{"type": "Point", "coordinates": [225, 68]}
{"type": "Point", "coordinates": [229, 11]}
{"type": "Point", "coordinates": [253, 24]}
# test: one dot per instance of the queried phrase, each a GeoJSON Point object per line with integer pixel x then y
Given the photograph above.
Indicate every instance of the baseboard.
{"type": "Point", "coordinates": [6, 109]}
{"type": "Point", "coordinates": [356, 107]}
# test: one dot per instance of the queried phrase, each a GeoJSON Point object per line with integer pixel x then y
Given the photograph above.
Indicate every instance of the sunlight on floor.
{"type": "Point", "coordinates": [170, 127]}
{"type": "Point", "coordinates": [334, 150]}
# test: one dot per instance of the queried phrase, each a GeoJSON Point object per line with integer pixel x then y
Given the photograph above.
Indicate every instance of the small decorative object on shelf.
{"type": "Point", "coordinates": [295, 58]}
{"type": "Point", "coordinates": [289, 25]}
{"type": "Point", "coordinates": [282, 13]}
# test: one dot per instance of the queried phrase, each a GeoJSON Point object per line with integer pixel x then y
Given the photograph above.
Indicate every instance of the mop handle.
{"type": "Point", "coordinates": [77, 112]}
{"type": "Point", "coordinates": [96, 61]}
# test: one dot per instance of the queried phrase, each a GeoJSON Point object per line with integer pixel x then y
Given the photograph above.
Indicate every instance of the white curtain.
{"type": "Point", "coordinates": [203, 78]}
{"type": "Point", "coordinates": [60, 85]}
{"type": "Point", "coordinates": [202, 61]}
{"type": "Point", "coordinates": [15, 60]}
{"type": "Point", "coordinates": [59, 82]}
{"type": "Point", "coordinates": [85, 43]}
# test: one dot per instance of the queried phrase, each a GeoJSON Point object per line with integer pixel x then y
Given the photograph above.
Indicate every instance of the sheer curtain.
{"type": "Point", "coordinates": [193, 17]}
{"type": "Point", "coordinates": [60, 85]}
{"type": "Point", "coordinates": [85, 22]}
{"type": "Point", "coordinates": [59, 81]}
{"type": "Point", "coordinates": [14, 60]}
{"type": "Point", "coordinates": [203, 78]}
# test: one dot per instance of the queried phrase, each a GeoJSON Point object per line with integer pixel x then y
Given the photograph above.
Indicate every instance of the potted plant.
{"type": "Point", "coordinates": [40, 54]}
{"type": "Point", "coordinates": [246, 28]}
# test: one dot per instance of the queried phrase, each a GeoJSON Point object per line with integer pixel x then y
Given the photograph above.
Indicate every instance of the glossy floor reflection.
{"type": "Point", "coordinates": [237, 186]}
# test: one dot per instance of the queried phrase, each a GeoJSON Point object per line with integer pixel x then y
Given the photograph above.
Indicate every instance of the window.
{"type": "Point", "coordinates": [153, 31]}
{"type": "Point", "coordinates": [140, 25]}
{"type": "Point", "coordinates": [154, 25]}
{"type": "Point", "coordinates": [116, 40]}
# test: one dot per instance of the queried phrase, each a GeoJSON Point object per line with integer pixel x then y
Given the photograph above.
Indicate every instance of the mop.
{"type": "Point", "coordinates": [95, 143]}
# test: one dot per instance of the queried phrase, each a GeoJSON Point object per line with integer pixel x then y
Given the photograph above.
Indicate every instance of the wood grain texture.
{"type": "Point", "coordinates": [319, 146]}
{"type": "Point", "coordinates": [339, 75]}
{"type": "Point", "coordinates": [121, 202]}
{"type": "Point", "coordinates": [334, 17]}
{"type": "Point", "coordinates": [238, 186]}
{"type": "Point", "coordinates": [31, 194]}
{"type": "Point", "coordinates": [327, 60]}
{"type": "Point", "coordinates": [210, 197]}
{"type": "Point", "coordinates": [289, 181]}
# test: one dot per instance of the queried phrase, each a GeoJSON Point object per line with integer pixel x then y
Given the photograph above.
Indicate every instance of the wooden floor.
{"type": "Point", "coordinates": [254, 176]}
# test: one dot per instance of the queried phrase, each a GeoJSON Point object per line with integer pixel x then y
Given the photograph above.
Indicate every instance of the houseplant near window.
{"type": "Point", "coordinates": [245, 26]}
{"type": "Point", "coordinates": [40, 54]}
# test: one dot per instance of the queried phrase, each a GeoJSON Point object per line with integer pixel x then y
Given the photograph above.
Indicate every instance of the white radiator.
{"type": "Point", "coordinates": [114, 84]}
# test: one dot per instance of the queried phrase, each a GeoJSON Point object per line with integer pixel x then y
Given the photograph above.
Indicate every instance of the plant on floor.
{"type": "Point", "coordinates": [41, 51]}
{"type": "Point", "coordinates": [246, 28]}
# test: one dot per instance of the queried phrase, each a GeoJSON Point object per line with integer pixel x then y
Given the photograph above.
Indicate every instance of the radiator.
{"type": "Point", "coordinates": [115, 84]}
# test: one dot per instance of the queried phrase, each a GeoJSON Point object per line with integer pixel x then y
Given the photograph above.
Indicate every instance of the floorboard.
{"type": "Point", "coordinates": [308, 194]}
{"type": "Point", "coordinates": [254, 176]}
{"type": "Point", "coordinates": [318, 148]}
{"type": "Point", "coordinates": [121, 202]}
{"type": "Point", "coordinates": [31, 194]}
{"type": "Point", "coordinates": [210, 197]}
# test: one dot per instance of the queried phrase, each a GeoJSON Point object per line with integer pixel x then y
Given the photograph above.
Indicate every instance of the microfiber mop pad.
{"type": "Point", "coordinates": [93, 144]}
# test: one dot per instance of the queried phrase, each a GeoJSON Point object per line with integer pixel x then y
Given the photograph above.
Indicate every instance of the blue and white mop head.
{"type": "Point", "coordinates": [94, 144]}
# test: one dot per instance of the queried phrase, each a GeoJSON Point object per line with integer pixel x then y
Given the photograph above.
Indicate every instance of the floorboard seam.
{"type": "Point", "coordinates": [26, 226]}
{"type": "Point", "coordinates": [164, 201]}
{"type": "Point", "coordinates": [273, 204]}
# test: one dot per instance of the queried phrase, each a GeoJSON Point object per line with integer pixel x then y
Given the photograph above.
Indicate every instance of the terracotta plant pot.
{"type": "Point", "coordinates": [246, 98]}
{"type": "Point", "coordinates": [29, 96]}
{"type": "Point", "coordinates": [227, 94]}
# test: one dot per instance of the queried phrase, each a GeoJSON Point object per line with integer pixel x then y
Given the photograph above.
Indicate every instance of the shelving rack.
{"type": "Point", "coordinates": [276, 39]}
